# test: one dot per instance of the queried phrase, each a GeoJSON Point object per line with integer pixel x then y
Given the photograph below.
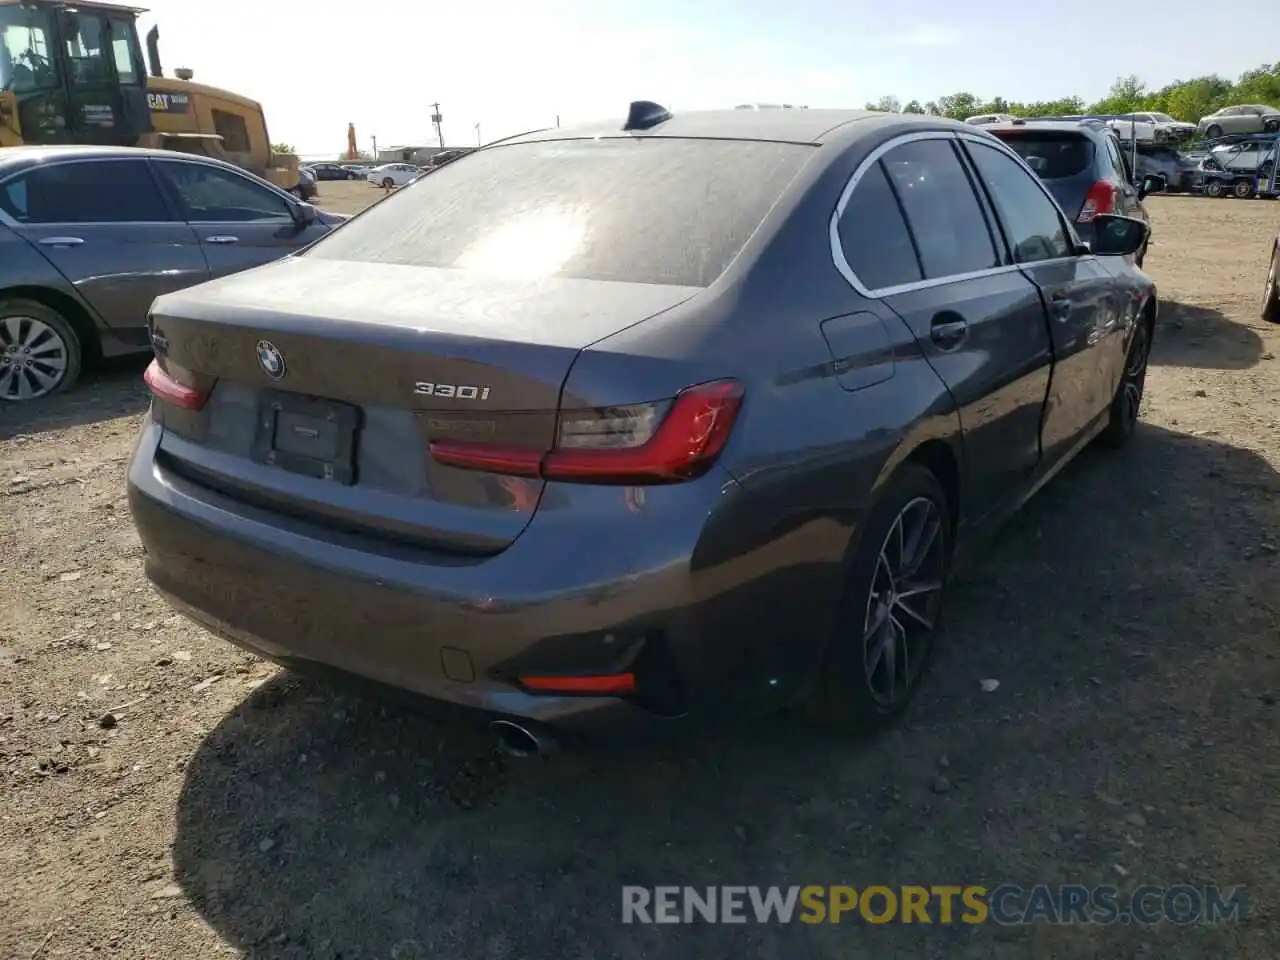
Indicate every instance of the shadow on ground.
{"type": "Point", "coordinates": [1193, 336]}
{"type": "Point", "coordinates": [114, 389]}
{"type": "Point", "coordinates": [1128, 615]}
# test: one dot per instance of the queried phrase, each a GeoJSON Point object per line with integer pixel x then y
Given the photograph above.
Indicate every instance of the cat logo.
{"type": "Point", "coordinates": [168, 102]}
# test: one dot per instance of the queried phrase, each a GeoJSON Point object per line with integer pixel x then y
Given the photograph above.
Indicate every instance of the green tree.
{"type": "Point", "coordinates": [283, 148]}
{"type": "Point", "coordinates": [1185, 99]}
{"type": "Point", "coordinates": [889, 104]}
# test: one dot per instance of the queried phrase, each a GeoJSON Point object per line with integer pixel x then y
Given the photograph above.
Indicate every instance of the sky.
{"type": "Point", "coordinates": [512, 66]}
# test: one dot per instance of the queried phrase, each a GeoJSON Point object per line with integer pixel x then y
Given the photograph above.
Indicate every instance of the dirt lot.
{"type": "Point", "coordinates": [1130, 615]}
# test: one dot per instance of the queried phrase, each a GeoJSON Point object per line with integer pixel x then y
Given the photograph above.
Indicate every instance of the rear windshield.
{"type": "Point", "coordinates": [1053, 157]}
{"type": "Point", "coordinates": [639, 210]}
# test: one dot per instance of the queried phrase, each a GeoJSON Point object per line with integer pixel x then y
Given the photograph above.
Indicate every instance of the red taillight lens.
{"type": "Point", "coordinates": [611, 684]}
{"type": "Point", "coordinates": [640, 444]}
{"type": "Point", "coordinates": [167, 388]}
{"type": "Point", "coordinates": [1100, 199]}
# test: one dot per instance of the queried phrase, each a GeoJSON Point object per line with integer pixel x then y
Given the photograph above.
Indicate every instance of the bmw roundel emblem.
{"type": "Point", "coordinates": [271, 359]}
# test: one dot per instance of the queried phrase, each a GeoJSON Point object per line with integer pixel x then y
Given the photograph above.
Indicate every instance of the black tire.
{"type": "Point", "coordinates": [1242, 189]}
{"type": "Point", "coordinates": [1213, 132]}
{"type": "Point", "coordinates": [1271, 292]}
{"type": "Point", "coordinates": [1126, 405]}
{"type": "Point", "coordinates": [18, 331]}
{"type": "Point", "coordinates": [387, 183]}
{"type": "Point", "coordinates": [297, 192]}
{"type": "Point", "coordinates": [1213, 188]}
{"type": "Point", "coordinates": [1271, 126]}
{"type": "Point", "coordinates": [851, 691]}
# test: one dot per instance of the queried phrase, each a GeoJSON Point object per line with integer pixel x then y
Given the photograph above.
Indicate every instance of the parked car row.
{"type": "Point", "coordinates": [505, 477]}
{"type": "Point", "coordinates": [1155, 127]}
{"type": "Point", "coordinates": [90, 236]}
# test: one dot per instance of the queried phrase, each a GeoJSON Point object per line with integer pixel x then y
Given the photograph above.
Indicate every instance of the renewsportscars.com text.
{"type": "Point", "coordinates": [1006, 904]}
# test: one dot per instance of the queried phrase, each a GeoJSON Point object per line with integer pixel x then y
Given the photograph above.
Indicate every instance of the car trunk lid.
{"type": "Point", "coordinates": [327, 379]}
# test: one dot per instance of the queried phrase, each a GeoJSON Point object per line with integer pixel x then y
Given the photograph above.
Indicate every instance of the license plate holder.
{"type": "Point", "coordinates": [308, 436]}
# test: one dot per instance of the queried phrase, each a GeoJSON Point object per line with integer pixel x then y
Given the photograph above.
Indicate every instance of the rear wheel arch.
{"type": "Point", "coordinates": [71, 309]}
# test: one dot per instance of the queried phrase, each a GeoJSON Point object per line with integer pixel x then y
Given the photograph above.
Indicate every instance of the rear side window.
{"type": "Point", "coordinates": [942, 211]}
{"type": "Point", "coordinates": [1052, 157]}
{"type": "Point", "coordinates": [874, 236]}
{"type": "Point", "coordinates": [99, 191]}
{"type": "Point", "coordinates": [639, 210]}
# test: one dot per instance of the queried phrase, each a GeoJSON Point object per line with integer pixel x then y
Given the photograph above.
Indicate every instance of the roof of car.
{"type": "Point", "coordinates": [788, 125]}
{"type": "Point", "coordinates": [15, 157]}
{"type": "Point", "coordinates": [1033, 125]}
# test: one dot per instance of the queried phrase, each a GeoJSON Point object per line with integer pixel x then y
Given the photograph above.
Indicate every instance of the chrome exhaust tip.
{"type": "Point", "coordinates": [517, 741]}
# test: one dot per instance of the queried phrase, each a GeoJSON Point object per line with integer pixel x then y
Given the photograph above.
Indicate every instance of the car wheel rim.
{"type": "Point", "coordinates": [33, 358]}
{"type": "Point", "coordinates": [902, 607]}
{"type": "Point", "coordinates": [1135, 375]}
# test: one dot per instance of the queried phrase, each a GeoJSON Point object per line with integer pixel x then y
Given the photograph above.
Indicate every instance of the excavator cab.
{"type": "Point", "coordinates": [74, 72]}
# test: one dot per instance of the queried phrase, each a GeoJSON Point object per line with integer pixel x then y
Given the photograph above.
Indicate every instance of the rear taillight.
{"type": "Point", "coordinates": [611, 684]}
{"type": "Point", "coordinates": [1100, 199]}
{"type": "Point", "coordinates": [168, 388]}
{"type": "Point", "coordinates": [662, 442]}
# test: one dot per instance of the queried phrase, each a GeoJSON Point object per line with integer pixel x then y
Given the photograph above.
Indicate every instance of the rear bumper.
{"type": "Point", "coordinates": [455, 630]}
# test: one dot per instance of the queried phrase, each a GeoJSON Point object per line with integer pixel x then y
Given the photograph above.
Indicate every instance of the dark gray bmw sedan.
{"type": "Point", "coordinates": [604, 426]}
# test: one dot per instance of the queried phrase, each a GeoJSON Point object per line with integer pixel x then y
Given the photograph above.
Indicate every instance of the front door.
{"type": "Point", "coordinates": [1087, 332]}
{"type": "Point", "coordinates": [102, 77]}
{"type": "Point", "coordinates": [241, 223]}
{"type": "Point", "coordinates": [106, 227]}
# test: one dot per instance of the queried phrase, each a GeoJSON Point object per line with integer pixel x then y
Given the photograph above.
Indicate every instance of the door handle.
{"type": "Point", "coordinates": [1060, 307]}
{"type": "Point", "coordinates": [221, 239]}
{"type": "Point", "coordinates": [61, 241]}
{"type": "Point", "coordinates": [948, 330]}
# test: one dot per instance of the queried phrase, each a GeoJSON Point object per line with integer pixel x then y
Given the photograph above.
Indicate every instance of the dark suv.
{"type": "Point", "coordinates": [1084, 167]}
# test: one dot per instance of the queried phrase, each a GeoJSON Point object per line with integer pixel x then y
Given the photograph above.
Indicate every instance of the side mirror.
{"type": "Point", "coordinates": [1152, 183]}
{"type": "Point", "coordinates": [1118, 236]}
{"type": "Point", "coordinates": [304, 214]}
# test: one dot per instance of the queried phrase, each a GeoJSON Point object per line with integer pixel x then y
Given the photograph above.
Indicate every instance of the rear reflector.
{"type": "Point", "coordinates": [662, 442]}
{"type": "Point", "coordinates": [1100, 199]}
{"type": "Point", "coordinates": [163, 385]}
{"type": "Point", "coordinates": [608, 685]}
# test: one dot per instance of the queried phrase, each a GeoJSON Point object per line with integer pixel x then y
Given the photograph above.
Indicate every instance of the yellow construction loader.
{"type": "Point", "coordinates": [74, 73]}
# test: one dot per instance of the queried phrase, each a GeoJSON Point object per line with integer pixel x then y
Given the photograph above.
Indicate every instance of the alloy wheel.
{"type": "Point", "coordinates": [1135, 374]}
{"type": "Point", "coordinates": [1270, 289]}
{"type": "Point", "coordinates": [33, 358]}
{"type": "Point", "coordinates": [903, 605]}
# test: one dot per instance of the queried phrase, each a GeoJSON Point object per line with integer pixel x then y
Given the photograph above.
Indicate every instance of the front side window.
{"type": "Point", "coordinates": [1032, 223]}
{"type": "Point", "coordinates": [213, 195]}
{"type": "Point", "coordinates": [101, 191]}
{"type": "Point", "coordinates": [943, 214]}
{"type": "Point", "coordinates": [26, 50]}
{"type": "Point", "coordinates": [638, 210]}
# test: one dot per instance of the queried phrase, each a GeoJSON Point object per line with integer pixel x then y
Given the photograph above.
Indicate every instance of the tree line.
{"type": "Point", "coordinates": [1187, 100]}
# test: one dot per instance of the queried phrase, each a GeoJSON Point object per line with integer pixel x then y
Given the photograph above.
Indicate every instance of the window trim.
{"type": "Point", "coordinates": [986, 139]}
{"type": "Point", "coordinates": [13, 222]}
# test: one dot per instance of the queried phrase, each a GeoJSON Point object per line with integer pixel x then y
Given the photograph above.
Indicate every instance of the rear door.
{"type": "Point", "coordinates": [1086, 320]}
{"type": "Point", "coordinates": [241, 222]}
{"type": "Point", "coordinates": [979, 321]}
{"type": "Point", "coordinates": [104, 224]}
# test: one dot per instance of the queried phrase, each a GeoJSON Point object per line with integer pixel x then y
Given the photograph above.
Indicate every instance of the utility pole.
{"type": "Point", "coordinates": [557, 121]}
{"type": "Point", "coordinates": [477, 134]}
{"type": "Point", "coordinates": [375, 146]}
{"type": "Point", "coordinates": [436, 120]}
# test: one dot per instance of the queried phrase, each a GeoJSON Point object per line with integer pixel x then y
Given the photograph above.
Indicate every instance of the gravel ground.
{"type": "Point", "coordinates": [165, 795]}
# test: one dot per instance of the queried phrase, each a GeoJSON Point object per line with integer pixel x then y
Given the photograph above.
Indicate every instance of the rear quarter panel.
{"type": "Point", "coordinates": [825, 420]}
{"type": "Point", "coordinates": [22, 265]}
